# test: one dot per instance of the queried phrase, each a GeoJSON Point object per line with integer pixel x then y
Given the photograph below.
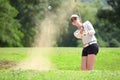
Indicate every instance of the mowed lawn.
{"type": "Point", "coordinates": [67, 62]}
{"type": "Point", "coordinates": [70, 58]}
{"type": "Point", "coordinates": [9, 57]}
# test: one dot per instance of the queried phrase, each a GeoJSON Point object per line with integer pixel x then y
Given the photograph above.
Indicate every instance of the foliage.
{"type": "Point", "coordinates": [67, 39]}
{"type": "Point", "coordinates": [29, 14]}
{"type": "Point", "coordinates": [110, 21]}
{"type": "Point", "coordinates": [9, 26]}
{"type": "Point", "coordinates": [19, 21]}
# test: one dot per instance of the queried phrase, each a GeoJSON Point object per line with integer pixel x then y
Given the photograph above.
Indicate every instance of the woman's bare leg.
{"type": "Point", "coordinates": [91, 61]}
{"type": "Point", "coordinates": [84, 63]}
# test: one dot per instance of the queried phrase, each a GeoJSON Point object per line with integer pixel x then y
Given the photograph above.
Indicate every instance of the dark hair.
{"type": "Point", "coordinates": [73, 18]}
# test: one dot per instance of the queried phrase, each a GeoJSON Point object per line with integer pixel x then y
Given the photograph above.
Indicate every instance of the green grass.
{"type": "Point", "coordinates": [68, 61]}
{"type": "Point", "coordinates": [58, 75]}
{"type": "Point", "coordinates": [108, 59]}
{"type": "Point", "coordinates": [11, 56]}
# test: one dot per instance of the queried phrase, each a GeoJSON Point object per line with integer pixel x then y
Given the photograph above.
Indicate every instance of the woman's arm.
{"type": "Point", "coordinates": [91, 30]}
{"type": "Point", "coordinates": [77, 34]}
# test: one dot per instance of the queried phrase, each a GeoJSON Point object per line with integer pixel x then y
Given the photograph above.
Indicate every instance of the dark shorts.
{"type": "Point", "coordinates": [91, 49]}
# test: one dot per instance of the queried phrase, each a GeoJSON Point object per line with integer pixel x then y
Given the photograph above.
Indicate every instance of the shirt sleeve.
{"type": "Point", "coordinates": [77, 34]}
{"type": "Point", "coordinates": [91, 30]}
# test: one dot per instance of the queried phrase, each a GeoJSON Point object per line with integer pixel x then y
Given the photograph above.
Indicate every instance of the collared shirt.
{"type": "Point", "coordinates": [88, 35]}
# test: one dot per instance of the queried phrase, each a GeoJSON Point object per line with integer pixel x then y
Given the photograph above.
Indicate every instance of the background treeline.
{"type": "Point", "coordinates": [19, 18]}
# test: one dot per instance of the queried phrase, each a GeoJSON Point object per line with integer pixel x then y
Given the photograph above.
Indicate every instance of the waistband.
{"type": "Point", "coordinates": [87, 44]}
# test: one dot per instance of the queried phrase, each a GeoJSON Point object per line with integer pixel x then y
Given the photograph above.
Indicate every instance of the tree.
{"type": "Point", "coordinates": [110, 21]}
{"type": "Point", "coordinates": [30, 13]}
{"type": "Point", "coordinates": [10, 35]}
{"type": "Point", "coordinates": [67, 39]}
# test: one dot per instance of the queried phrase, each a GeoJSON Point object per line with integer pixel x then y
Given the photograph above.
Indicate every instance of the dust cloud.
{"type": "Point", "coordinates": [50, 29]}
{"type": "Point", "coordinates": [52, 25]}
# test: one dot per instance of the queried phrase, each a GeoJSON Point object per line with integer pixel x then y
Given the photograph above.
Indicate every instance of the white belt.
{"type": "Point", "coordinates": [87, 44]}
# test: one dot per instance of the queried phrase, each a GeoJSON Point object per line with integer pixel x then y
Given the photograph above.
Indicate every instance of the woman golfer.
{"type": "Point", "coordinates": [86, 32]}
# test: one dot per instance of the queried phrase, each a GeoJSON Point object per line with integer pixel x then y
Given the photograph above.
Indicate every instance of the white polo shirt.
{"type": "Point", "coordinates": [88, 36]}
